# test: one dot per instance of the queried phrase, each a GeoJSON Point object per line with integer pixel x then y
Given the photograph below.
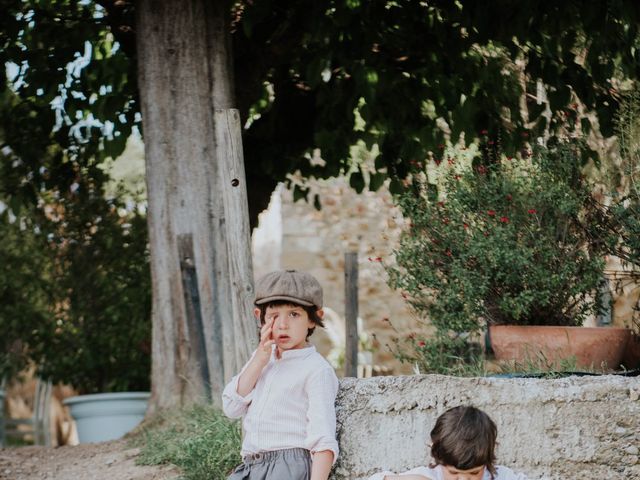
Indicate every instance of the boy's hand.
{"type": "Point", "coordinates": [266, 341]}
{"type": "Point", "coordinates": [249, 377]}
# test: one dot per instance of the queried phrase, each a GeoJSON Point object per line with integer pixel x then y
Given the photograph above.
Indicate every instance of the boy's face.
{"type": "Point", "coordinates": [453, 473]}
{"type": "Point", "coordinates": [290, 326]}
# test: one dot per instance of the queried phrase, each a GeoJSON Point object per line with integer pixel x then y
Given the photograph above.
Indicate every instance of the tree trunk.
{"type": "Point", "coordinates": [191, 145]}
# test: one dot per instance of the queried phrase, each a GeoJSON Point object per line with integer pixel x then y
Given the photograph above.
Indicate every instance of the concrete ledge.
{"type": "Point", "coordinates": [569, 428]}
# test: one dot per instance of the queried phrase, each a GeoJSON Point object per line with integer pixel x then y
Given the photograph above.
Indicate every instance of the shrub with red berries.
{"type": "Point", "coordinates": [502, 244]}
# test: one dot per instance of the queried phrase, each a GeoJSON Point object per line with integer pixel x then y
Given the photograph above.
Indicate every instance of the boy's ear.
{"type": "Point", "coordinates": [256, 312]}
{"type": "Point", "coordinates": [320, 313]}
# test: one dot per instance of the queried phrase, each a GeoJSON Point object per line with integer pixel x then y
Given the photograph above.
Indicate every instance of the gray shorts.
{"type": "Point", "coordinates": [288, 464]}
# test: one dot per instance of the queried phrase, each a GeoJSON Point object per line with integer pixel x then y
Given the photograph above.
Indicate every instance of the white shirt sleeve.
{"type": "Point", "coordinates": [424, 471]}
{"type": "Point", "coordinates": [233, 404]}
{"type": "Point", "coordinates": [322, 388]}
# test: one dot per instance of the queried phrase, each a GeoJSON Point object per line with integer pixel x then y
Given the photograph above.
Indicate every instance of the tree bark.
{"type": "Point", "coordinates": [184, 78]}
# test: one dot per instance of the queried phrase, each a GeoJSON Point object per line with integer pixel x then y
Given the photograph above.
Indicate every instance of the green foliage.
{"type": "Point", "coordinates": [445, 353]}
{"type": "Point", "coordinates": [102, 335]}
{"type": "Point", "coordinates": [538, 364]}
{"type": "Point", "coordinates": [76, 298]}
{"type": "Point", "coordinates": [315, 75]}
{"type": "Point", "coordinates": [501, 241]}
{"type": "Point", "coordinates": [394, 73]}
{"type": "Point", "coordinates": [616, 221]}
{"type": "Point", "coordinates": [67, 98]}
{"type": "Point", "coordinates": [620, 220]}
{"type": "Point", "coordinates": [199, 440]}
{"type": "Point", "coordinates": [76, 301]}
{"type": "Point", "coordinates": [25, 291]}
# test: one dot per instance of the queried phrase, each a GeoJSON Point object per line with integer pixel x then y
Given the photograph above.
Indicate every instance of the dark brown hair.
{"type": "Point", "coordinates": [464, 437]}
{"type": "Point", "coordinates": [312, 312]}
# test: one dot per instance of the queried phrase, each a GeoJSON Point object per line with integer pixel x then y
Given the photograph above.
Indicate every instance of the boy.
{"type": "Point", "coordinates": [286, 392]}
{"type": "Point", "coordinates": [463, 443]}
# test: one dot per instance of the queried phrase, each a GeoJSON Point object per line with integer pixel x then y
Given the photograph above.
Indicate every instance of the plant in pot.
{"type": "Point", "coordinates": [618, 215]}
{"type": "Point", "coordinates": [498, 242]}
{"type": "Point", "coordinates": [93, 331]}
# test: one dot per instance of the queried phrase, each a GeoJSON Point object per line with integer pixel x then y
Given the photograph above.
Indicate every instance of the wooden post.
{"type": "Point", "coordinates": [194, 312]}
{"type": "Point", "coordinates": [351, 314]}
{"type": "Point", "coordinates": [242, 325]}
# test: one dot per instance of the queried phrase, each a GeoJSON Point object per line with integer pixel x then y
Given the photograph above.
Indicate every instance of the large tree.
{"type": "Point", "coordinates": [403, 75]}
{"type": "Point", "coordinates": [197, 207]}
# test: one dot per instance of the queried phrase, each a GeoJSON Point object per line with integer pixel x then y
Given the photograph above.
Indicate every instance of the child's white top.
{"type": "Point", "coordinates": [291, 406]}
{"type": "Point", "coordinates": [502, 473]}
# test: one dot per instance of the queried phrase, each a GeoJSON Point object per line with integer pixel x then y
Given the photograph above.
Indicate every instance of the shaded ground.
{"type": "Point", "coordinates": [96, 461]}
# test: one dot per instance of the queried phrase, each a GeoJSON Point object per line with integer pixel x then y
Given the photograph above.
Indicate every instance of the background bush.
{"type": "Point", "coordinates": [496, 241]}
{"type": "Point", "coordinates": [76, 293]}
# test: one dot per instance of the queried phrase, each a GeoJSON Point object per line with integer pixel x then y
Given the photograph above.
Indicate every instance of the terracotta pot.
{"type": "Point", "coordinates": [631, 357]}
{"type": "Point", "coordinates": [592, 347]}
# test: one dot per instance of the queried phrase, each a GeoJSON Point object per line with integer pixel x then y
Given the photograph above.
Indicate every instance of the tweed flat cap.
{"type": "Point", "coordinates": [289, 285]}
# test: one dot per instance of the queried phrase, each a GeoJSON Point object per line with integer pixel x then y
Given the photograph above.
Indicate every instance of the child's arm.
{"type": "Point", "coordinates": [237, 395]}
{"type": "Point", "coordinates": [321, 464]}
{"type": "Point", "coordinates": [321, 389]}
{"type": "Point", "coordinates": [251, 374]}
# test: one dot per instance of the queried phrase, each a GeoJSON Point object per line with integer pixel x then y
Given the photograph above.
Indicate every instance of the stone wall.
{"type": "Point", "coordinates": [584, 428]}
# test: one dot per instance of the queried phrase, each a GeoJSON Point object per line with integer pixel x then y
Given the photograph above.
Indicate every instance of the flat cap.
{"type": "Point", "coordinates": [289, 285]}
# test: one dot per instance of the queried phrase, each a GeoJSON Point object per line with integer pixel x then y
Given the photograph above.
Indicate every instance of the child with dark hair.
{"type": "Point", "coordinates": [463, 443]}
{"type": "Point", "coordinates": [286, 392]}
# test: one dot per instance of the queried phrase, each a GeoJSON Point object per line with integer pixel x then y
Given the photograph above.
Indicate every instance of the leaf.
{"type": "Point", "coordinates": [380, 161]}
{"type": "Point", "coordinates": [247, 26]}
{"type": "Point", "coordinates": [113, 148]}
{"type": "Point", "coordinates": [395, 186]}
{"type": "Point", "coordinates": [356, 181]}
{"type": "Point", "coordinates": [432, 192]}
{"type": "Point", "coordinates": [559, 98]}
{"type": "Point", "coordinates": [376, 180]}
{"type": "Point", "coordinates": [314, 71]}
{"type": "Point", "coordinates": [300, 193]}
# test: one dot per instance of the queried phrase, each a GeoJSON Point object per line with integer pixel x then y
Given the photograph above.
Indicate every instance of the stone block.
{"type": "Point", "coordinates": [569, 428]}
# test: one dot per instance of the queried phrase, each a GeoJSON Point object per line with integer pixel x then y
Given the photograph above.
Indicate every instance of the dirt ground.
{"type": "Point", "coordinates": [96, 461]}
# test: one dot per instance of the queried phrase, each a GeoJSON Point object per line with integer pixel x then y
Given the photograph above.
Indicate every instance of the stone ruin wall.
{"type": "Point", "coordinates": [316, 241]}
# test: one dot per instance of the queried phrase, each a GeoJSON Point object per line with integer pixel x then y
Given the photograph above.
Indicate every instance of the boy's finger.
{"type": "Point", "coordinates": [266, 334]}
{"type": "Point", "coordinates": [267, 324]}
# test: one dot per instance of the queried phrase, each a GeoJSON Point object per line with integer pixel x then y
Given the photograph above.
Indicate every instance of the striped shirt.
{"type": "Point", "coordinates": [291, 406]}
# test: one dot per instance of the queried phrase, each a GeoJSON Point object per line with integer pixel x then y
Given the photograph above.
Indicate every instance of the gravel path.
{"type": "Point", "coordinates": [95, 461]}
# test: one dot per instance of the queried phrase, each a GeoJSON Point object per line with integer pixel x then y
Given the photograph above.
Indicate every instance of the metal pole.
{"type": "Point", "coordinates": [351, 314]}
